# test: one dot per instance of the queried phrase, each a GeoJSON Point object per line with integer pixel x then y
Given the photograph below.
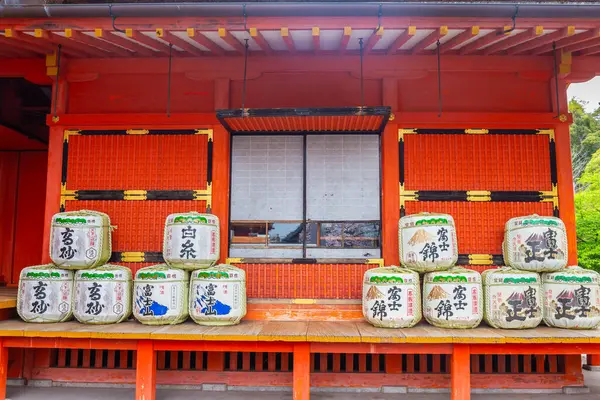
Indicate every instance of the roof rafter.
{"type": "Point", "coordinates": [260, 41]}
{"type": "Point", "coordinates": [155, 44]}
{"type": "Point", "coordinates": [179, 42]}
{"type": "Point", "coordinates": [582, 45]}
{"type": "Point", "coordinates": [429, 40]}
{"type": "Point", "coordinates": [459, 39]}
{"type": "Point", "coordinates": [590, 51]}
{"type": "Point", "coordinates": [289, 42]}
{"type": "Point", "coordinates": [69, 45]}
{"type": "Point", "coordinates": [345, 39]}
{"type": "Point", "coordinates": [373, 39]}
{"type": "Point", "coordinates": [231, 40]}
{"type": "Point", "coordinates": [580, 37]}
{"type": "Point", "coordinates": [514, 40]}
{"type": "Point", "coordinates": [204, 41]}
{"type": "Point", "coordinates": [115, 39]}
{"type": "Point", "coordinates": [402, 39]}
{"type": "Point", "coordinates": [94, 41]}
{"type": "Point", "coordinates": [492, 37]}
{"type": "Point", "coordinates": [542, 40]}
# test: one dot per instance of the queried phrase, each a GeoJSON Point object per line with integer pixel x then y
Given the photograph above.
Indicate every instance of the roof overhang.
{"type": "Point", "coordinates": [344, 120]}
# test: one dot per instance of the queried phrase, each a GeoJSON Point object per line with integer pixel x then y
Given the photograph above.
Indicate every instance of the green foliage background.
{"type": "Point", "coordinates": [585, 153]}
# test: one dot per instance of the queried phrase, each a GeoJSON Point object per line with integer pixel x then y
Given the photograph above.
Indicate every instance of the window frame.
{"type": "Point", "coordinates": [305, 221]}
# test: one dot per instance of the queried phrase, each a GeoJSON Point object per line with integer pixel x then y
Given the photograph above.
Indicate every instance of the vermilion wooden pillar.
{"type": "Point", "coordinates": [390, 195]}
{"type": "Point", "coordinates": [460, 373]}
{"type": "Point", "coordinates": [301, 372]}
{"type": "Point", "coordinates": [593, 362]}
{"type": "Point", "coordinates": [3, 369]}
{"type": "Point", "coordinates": [145, 372]}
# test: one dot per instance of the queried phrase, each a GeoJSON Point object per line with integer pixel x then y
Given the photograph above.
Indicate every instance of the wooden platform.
{"type": "Point", "coordinates": [297, 337]}
{"type": "Point", "coordinates": [8, 298]}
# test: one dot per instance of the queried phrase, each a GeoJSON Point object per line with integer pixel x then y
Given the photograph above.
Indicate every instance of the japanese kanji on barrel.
{"type": "Point", "coordinates": [391, 297]}
{"type": "Point", "coordinates": [45, 294]}
{"type": "Point", "coordinates": [572, 298]}
{"type": "Point", "coordinates": [80, 239]}
{"type": "Point", "coordinates": [160, 295]}
{"type": "Point", "coordinates": [218, 295]}
{"type": "Point", "coordinates": [191, 240]}
{"type": "Point", "coordinates": [535, 243]}
{"type": "Point", "coordinates": [427, 242]}
{"type": "Point", "coordinates": [103, 295]}
{"type": "Point", "coordinates": [452, 298]}
{"type": "Point", "coordinates": [512, 298]}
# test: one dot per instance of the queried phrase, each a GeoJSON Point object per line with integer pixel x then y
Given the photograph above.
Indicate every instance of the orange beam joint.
{"type": "Point", "coordinates": [345, 39]}
{"type": "Point", "coordinates": [373, 40]}
{"type": "Point", "coordinates": [316, 37]}
{"type": "Point", "coordinates": [287, 39]}
{"type": "Point", "coordinates": [459, 39]}
{"type": "Point", "coordinates": [155, 44]}
{"type": "Point", "coordinates": [260, 41]}
{"type": "Point", "coordinates": [543, 40]}
{"type": "Point", "coordinates": [179, 42]}
{"type": "Point", "coordinates": [580, 37]}
{"type": "Point", "coordinates": [429, 40]}
{"type": "Point", "coordinates": [514, 40]}
{"type": "Point", "coordinates": [231, 40]}
{"type": "Point", "coordinates": [486, 40]}
{"type": "Point", "coordinates": [402, 39]}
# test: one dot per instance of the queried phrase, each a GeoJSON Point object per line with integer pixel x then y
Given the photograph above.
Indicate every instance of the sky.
{"type": "Point", "coordinates": [588, 91]}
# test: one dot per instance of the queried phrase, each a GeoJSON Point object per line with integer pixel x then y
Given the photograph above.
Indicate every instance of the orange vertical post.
{"type": "Point", "coordinates": [460, 372]}
{"type": "Point", "coordinates": [301, 371]}
{"type": "Point", "coordinates": [220, 186]}
{"type": "Point", "coordinates": [3, 369]}
{"type": "Point", "coordinates": [592, 362]}
{"type": "Point", "coordinates": [145, 373]}
{"type": "Point", "coordinates": [390, 194]}
{"type": "Point", "coordinates": [53, 183]}
{"type": "Point", "coordinates": [216, 361]}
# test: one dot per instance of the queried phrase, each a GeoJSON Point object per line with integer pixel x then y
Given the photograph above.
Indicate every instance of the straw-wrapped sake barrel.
{"type": "Point", "coordinates": [218, 295]}
{"type": "Point", "coordinates": [45, 294]}
{"type": "Point", "coordinates": [452, 298]}
{"type": "Point", "coordinates": [535, 243]}
{"type": "Point", "coordinates": [427, 242]}
{"type": "Point", "coordinates": [572, 298]}
{"type": "Point", "coordinates": [80, 239]}
{"type": "Point", "coordinates": [191, 240]}
{"type": "Point", "coordinates": [512, 298]}
{"type": "Point", "coordinates": [103, 295]}
{"type": "Point", "coordinates": [391, 297]}
{"type": "Point", "coordinates": [160, 295]}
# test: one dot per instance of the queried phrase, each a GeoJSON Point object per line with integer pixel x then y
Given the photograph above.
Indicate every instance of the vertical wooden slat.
{"type": "Point", "coordinates": [475, 363]}
{"type": "Point", "coordinates": [246, 361]}
{"type": "Point", "coordinates": [110, 362]}
{"type": "Point", "coordinates": [272, 361]}
{"type": "Point", "coordinates": [258, 362]}
{"type": "Point", "coordinates": [539, 363]}
{"type": "Point", "coordinates": [362, 363]}
{"type": "Point", "coordinates": [501, 364]}
{"type": "Point", "coordinates": [312, 362]}
{"type": "Point", "coordinates": [98, 359]}
{"type": "Point", "coordinates": [436, 367]}
{"type": "Point", "coordinates": [216, 361]}
{"type": "Point", "coordinates": [62, 358]}
{"type": "Point", "coordinates": [337, 362]}
{"type": "Point", "coordinates": [514, 364]}
{"type": "Point", "coordinates": [323, 362]}
{"type": "Point", "coordinates": [161, 359]}
{"type": "Point", "coordinates": [233, 356]}
{"type": "Point", "coordinates": [74, 358]}
{"type": "Point", "coordinates": [375, 363]}
{"type": "Point", "coordinates": [489, 362]}
{"type": "Point", "coordinates": [349, 362]}
{"type": "Point", "coordinates": [134, 359]}
{"type": "Point", "coordinates": [187, 360]}
{"type": "Point", "coordinates": [448, 364]}
{"type": "Point", "coordinates": [553, 362]}
{"type": "Point", "coordinates": [173, 360]}
{"type": "Point", "coordinates": [393, 364]}
{"type": "Point", "coordinates": [123, 358]}
{"type": "Point", "coordinates": [285, 362]}
{"type": "Point", "coordinates": [423, 363]}
{"type": "Point", "coordinates": [410, 363]}
{"type": "Point", "coordinates": [526, 364]}
{"type": "Point", "coordinates": [199, 361]}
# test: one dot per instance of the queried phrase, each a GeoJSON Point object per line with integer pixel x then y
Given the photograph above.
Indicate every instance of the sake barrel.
{"type": "Point", "coordinates": [191, 240]}
{"type": "Point", "coordinates": [80, 239]}
{"type": "Point", "coordinates": [535, 243]}
{"type": "Point", "coordinates": [103, 295]}
{"type": "Point", "coordinates": [391, 297]}
{"type": "Point", "coordinates": [161, 295]}
{"type": "Point", "coordinates": [218, 295]}
{"type": "Point", "coordinates": [427, 242]}
{"type": "Point", "coordinates": [572, 298]}
{"type": "Point", "coordinates": [512, 298]}
{"type": "Point", "coordinates": [452, 299]}
{"type": "Point", "coordinates": [45, 294]}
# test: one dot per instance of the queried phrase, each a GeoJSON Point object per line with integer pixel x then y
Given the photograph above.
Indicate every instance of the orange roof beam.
{"type": "Point", "coordinates": [402, 39]}
{"type": "Point", "coordinates": [179, 42]}
{"type": "Point", "coordinates": [514, 40]}
{"type": "Point", "coordinates": [260, 40]}
{"type": "Point", "coordinates": [205, 42]}
{"type": "Point", "coordinates": [488, 39]}
{"type": "Point", "coordinates": [345, 39]}
{"type": "Point", "coordinates": [70, 46]}
{"type": "Point", "coordinates": [137, 48]}
{"type": "Point", "coordinates": [542, 40]}
{"type": "Point", "coordinates": [373, 40]}
{"type": "Point", "coordinates": [582, 45]}
{"type": "Point", "coordinates": [231, 40]}
{"type": "Point", "coordinates": [287, 39]}
{"type": "Point", "coordinates": [12, 47]}
{"type": "Point", "coordinates": [590, 51]}
{"type": "Point", "coordinates": [429, 40]}
{"type": "Point", "coordinates": [155, 44]}
{"type": "Point", "coordinates": [316, 38]}
{"type": "Point", "coordinates": [459, 39]}
{"type": "Point", "coordinates": [94, 41]}
{"type": "Point", "coordinates": [578, 38]}
{"type": "Point", "coordinates": [28, 42]}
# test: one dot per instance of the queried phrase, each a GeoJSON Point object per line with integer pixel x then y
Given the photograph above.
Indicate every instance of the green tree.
{"type": "Point", "coordinates": [587, 210]}
{"type": "Point", "coordinates": [585, 137]}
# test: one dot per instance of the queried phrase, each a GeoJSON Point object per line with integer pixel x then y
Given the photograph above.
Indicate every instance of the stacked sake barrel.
{"type": "Point", "coordinates": [517, 297]}
{"type": "Point", "coordinates": [214, 295]}
{"type": "Point", "coordinates": [78, 282]}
